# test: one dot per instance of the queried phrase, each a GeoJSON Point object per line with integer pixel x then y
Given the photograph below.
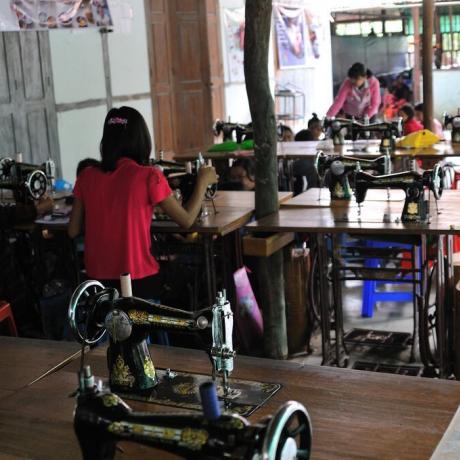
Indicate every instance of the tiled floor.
{"type": "Point", "coordinates": [388, 316]}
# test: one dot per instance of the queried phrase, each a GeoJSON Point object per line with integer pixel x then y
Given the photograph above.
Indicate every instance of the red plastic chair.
{"type": "Point", "coordinates": [456, 186]}
{"type": "Point", "coordinates": [7, 314]}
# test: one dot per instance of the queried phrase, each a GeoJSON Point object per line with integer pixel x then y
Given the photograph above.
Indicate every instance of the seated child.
{"type": "Point", "coordinates": [242, 173]}
{"type": "Point", "coordinates": [83, 164]}
{"type": "Point", "coordinates": [314, 131]}
{"type": "Point", "coordinates": [285, 133]}
{"type": "Point", "coordinates": [410, 124]}
{"type": "Point", "coordinates": [437, 126]}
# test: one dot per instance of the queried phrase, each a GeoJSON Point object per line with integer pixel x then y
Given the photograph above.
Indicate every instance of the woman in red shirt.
{"type": "Point", "coordinates": [410, 124]}
{"type": "Point", "coordinates": [116, 199]}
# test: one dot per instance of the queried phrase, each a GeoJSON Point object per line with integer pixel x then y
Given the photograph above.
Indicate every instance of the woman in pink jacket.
{"type": "Point", "coordinates": [359, 95]}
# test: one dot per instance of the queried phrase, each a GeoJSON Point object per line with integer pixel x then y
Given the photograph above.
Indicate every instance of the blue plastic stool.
{"type": "Point", "coordinates": [370, 293]}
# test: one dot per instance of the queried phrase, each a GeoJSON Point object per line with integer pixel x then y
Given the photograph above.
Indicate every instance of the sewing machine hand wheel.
{"type": "Point", "coordinates": [288, 434]}
{"type": "Point", "coordinates": [319, 161]}
{"type": "Point", "coordinates": [82, 307]}
{"type": "Point", "coordinates": [437, 181]}
{"type": "Point", "coordinates": [36, 184]}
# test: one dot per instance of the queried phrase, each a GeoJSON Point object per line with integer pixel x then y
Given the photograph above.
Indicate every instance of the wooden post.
{"type": "Point", "coordinates": [416, 75]}
{"type": "Point", "coordinates": [270, 273]}
{"type": "Point", "coordinates": [427, 63]}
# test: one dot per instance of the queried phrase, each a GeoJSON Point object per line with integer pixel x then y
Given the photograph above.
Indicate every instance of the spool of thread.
{"type": "Point", "coordinates": [188, 167]}
{"type": "Point", "coordinates": [209, 401]}
{"type": "Point", "coordinates": [19, 157]}
{"type": "Point", "coordinates": [125, 283]}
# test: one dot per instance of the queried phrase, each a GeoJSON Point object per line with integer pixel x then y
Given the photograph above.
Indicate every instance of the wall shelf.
{"type": "Point", "coordinates": [290, 104]}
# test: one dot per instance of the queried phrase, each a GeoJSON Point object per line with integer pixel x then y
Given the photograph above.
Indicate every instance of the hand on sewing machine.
{"type": "Point", "coordinates": [207, 175]}
{"type": "Point", "coordinates": [44, 205]}
{"type": "Point", "coordinates": [186, 215]}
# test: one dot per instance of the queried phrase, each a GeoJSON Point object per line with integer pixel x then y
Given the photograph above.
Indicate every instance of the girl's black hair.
{"type": "Point", "coordinates": [313, 120]}
{"type": "Point", "coordinates": [419, 107]}
{"type": "Point", "coordinates": [304, 135]}
{"type": "Point", "coordinates": [247, 164]}
{"type": "Point", "coordinates": [357, 70]}
{"type": "Point", "coordinates": [125, 135]}
{"type": "Point", "coordinates": [408, 110]}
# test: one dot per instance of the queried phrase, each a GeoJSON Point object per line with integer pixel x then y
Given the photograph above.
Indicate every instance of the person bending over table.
{"type": "Point", "coordinates": [115, 202]}
{"type": "Point", "coordinates": [359, 95]}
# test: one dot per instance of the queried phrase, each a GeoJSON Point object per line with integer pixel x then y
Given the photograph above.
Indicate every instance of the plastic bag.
{"type": "Point", "coordinates": [248, 317]}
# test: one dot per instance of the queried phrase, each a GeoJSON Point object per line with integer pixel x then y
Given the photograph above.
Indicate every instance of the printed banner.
{"type": "Point", "coordinates": [315, 33]}
{"type": "Point", "coordinates": [234, 43]}
{"type": "Point", "coordinates": [290, 36]}
{"type": "Point", "coordinates": [55, 14]}
{"type": "Point", "coordinates": [299, 36]}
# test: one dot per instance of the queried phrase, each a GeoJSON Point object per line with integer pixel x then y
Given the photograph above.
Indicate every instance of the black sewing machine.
{"type": "Point", "coordinates": [95, 310]}
{"type": "Point", "coordinates": [389, 131]}
{"type": "Point", "coordinates": [415, 184]}
{"type": "Point", "coordinates": [169, 167]}
{"type": "Point", "coordinates": [101, 419]}
{"type": "Point", "coordinates": [27, 181]}
{"type": "Point", "coordinates": [333, 127]}
{"type": "Point", "coordinates": [227, 128]}
{"type": "Point", "coordinates": [454, 122]}
{"type": "Point", "coordinates": [183, 177]}
{"type": "Point", "coordinates": [340, 168]}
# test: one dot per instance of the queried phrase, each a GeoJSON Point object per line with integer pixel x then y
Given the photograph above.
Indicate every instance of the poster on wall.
{"type": "Point", "coordinates": [234, 43]}
{"type": "Point", "coordinates": [315, 35]}
{"type": "Point", "coordinates": [290, 36]}
{"type": "Point", "coordinates": [299, 36]}
{"type": "Point", "coordinates": [55, 14]}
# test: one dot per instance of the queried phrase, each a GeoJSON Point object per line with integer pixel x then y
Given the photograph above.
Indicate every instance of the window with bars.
{"type": "Point", "coordinates": [449, 29]}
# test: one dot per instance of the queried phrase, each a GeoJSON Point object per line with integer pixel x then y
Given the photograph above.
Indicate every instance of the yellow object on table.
{"type": "Point", "coordinates": [419, 139]}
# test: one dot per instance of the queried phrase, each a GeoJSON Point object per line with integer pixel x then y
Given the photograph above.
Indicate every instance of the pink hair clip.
{"type": "Point", "coordinates": [117, 121]}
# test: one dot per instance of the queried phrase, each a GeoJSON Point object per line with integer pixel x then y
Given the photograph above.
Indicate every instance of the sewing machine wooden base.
{"type": "Point", "coordinates": [181, 391]}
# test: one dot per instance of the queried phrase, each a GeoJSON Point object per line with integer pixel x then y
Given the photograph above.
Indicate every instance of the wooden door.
{"type": "Point", "coordinates": [161, 76]}
{"type": "Point", "coordinates": [28, 122]}
{"type": "Point", "coordinates": [216, 74]}
{"type": "Point", "coordinates": [186, 73]}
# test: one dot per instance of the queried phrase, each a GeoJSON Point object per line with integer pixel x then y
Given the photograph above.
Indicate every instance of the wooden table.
{"type": "Point", "coordinates": [24, 360]}
{"type": "Point", "coordinates": [225, 221]}
{"type": "Point", "coordinates": [321, 198]}
{"type": "Point", "coordinates": [234, 210]}
{"type": "Point", "coordinates": [288, 152]}
{"type": "Point", "coordinates": [330, 220]}
{"type": "Point", "coordinates": [363, 148]}
{"type": "Point", "coordinates": [243, 199]}
{"type": "Point", "coordinates": [337, 220]}
{"type": "Point", "coordinates": [355, 414]}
